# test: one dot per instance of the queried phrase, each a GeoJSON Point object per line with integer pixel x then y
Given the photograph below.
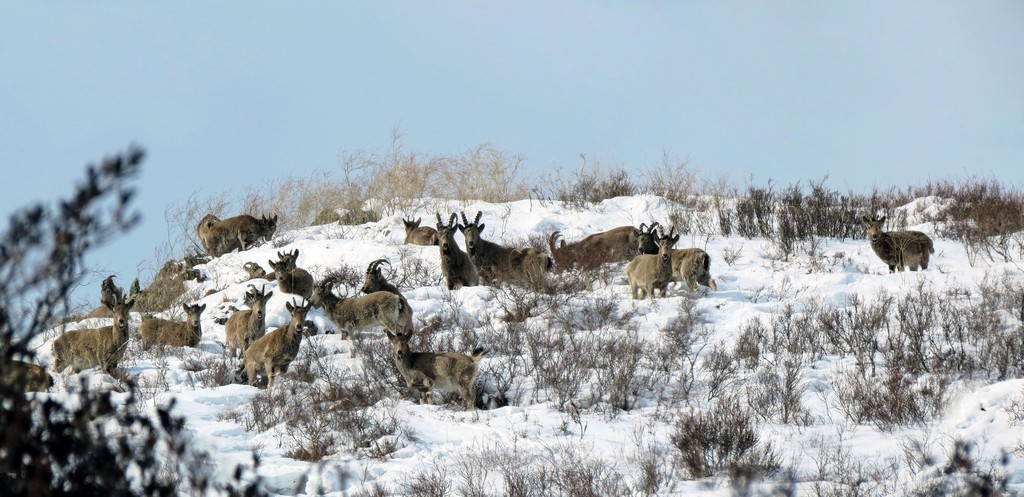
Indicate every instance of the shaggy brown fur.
{"type": "Point", "coordinates": [236, 233]}
{"type": "Point", "coordinates": [456, 267]}
{"type": "Point", "coordinates": [648, 273]}
{"type": "Point", "coordinates": [352, 314]}
{"type": "Point", "coordinates": [692, 266]}
{"type": "Point", "coordinates": [615, 245]}
{"type": "Point", "coordinates": [898, 249]}
{"type": "Point", "coordinates": [26, 377]}
{"type": "Point", "coordinates": [245, 327]}
{"type": "Point", "coordinates": [496, 263]}
{"type": "Point", "coordinates": [419, 235]}
{"type": "Point", "coordinates": [427, 371]}
{"type": "Point", "coordinates": [156, 331]}
{"type": "Point", "coordinates": [271, 354]}
{"type": "Point", "coordinates": [103, 347]}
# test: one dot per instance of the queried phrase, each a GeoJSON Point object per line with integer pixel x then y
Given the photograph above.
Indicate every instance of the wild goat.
{"type": "Point", "coordinates": [25, 377]}
{"type": "Point", "coordinates": [427, 371]}
{"type": "Point", "coordinates": [245, 327]}
{"type": "Point", "coordinates": [290, 260]}
{"type": "Point", "coordinates": [374, 280]}
{"type": "Point", "coordinates": [271, 354]}
{"type": "Point", "coordinates": [648, 273]}
{"type": "Point", "coordinates": [496, 262]}
{"type": "Point", "coordinates": [352, 314]}
{"type": "Point", "coordinates": [254, 270]}
{"type": "Point", "coordinates": [156, 331]}
{"type": "Point", "coordinates": [419, 235]}
{"type": "Point", "coordinates": [898, 248]}
{"type": "Point", "coordinates": [456, 267]}
{"type": "Point", "coordinates": [240, 232]}
{"type": "Point", "coordinates": [292, 279]}
{"type": "Point", "coordinates": [109, 292]}
{"type": "Point", "coordinates": [103, 347]}
{"type": "Point", "coordinates": [692, 266]}
{"type": "Point", "coordinates": [615, 245]}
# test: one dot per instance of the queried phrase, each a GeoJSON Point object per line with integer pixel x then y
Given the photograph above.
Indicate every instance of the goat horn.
{"type": "Point", "coordinates": [464, 220]}
{"type": "Point", "coordinates": [454, 220]}
{"type": "Point", "coordinates": [478, 214]}
{"type": "Point", "coordinates": [439, 222]}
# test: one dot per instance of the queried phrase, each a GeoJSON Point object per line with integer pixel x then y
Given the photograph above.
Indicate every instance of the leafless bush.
{"type": "Point", "coordinates": [623, 372]}
{"type": "Point", "coordinates": [435, 483]}
{"type": "Point", "coordinates": [725, 437]}
{"type": "Point", "coordinates": [210, 370]}
{"type": "Point", "coordinates": [837, 473]}
{"type": "Point", "coordinates": [854, 328]}
{"type": "Point", "coordinates": [683, 341]}
{"type": "Point", "coordinates": [508, 367]}
{"type": "Point", "coordinates": [892, 399]}
{"type": "Point", "coordinates": [563, 363]}
{"type": "Point", "coordinates": [587, 185]}
{"type": "Point", "coordinates": [486, 173]}
{"type": "Point", "coordinates": [674, 180]}
{"type": "Point", "coordinates": [776, 392]}
{"type": "Point", "coordinates": [986, 216]}
{"type": "Point", "coordinates": [964, 474]}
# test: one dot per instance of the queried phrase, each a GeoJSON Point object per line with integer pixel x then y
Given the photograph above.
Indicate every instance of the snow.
{"type": "Point", "coordinates": [440, 436]}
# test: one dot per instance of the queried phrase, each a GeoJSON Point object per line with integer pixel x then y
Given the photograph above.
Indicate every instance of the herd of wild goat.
{"type": "Point", "coordinates": [653, 264]}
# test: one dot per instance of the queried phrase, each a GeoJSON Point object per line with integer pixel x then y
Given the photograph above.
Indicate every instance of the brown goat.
{"type": "Point", "coordinates": [254, 270]}
{"type": "Point", "coordinates": [427, 371]}
{"type": "Point", "coordinates": [456, 267]}
{"type": "Point", "coordinates": [245, 327]}
{"type": "Point", "coordinates": [419, 235]}
{"type": "Point", "coordinates": [692, 266]}
{"type": "Point", "coordinates": [615, 245]}
{"type": "Point", "coordinates": [236, 233]}
{"type": "Point", "coordinates": [898, 249]}
{"type": "Point", "coordinates": [271, 354]}
{"type": "Point", "coordinates": [156, 331]}
{"type": "Point", "coordinates": [496, 262]}
{"type": "Point", "coordinates": [352, 314]}
{"type": "Point", "coordinates": [292, 279]}
{"type": "Point", "coordinates": [647, 273]}
{"type": "Point", "coordinates": [103, 347]}
{"type": "Point", "coordinates": [25, 377]}
{"type": "Point", "coordinates": [374, 280]}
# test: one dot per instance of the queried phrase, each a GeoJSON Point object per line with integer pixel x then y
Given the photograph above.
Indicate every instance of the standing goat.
{"type": "Point", "coordinates": [236, 233]}
{"type": "Point", "coordinates": [245, 327]}
{"type": "Point", "coordinates": [351, 314]}
{"type": "Point", "coordinates": [615, 245]}
{"type": "Point", "coordinates": [898, 249]}
{"type": "Point", "coordinates": [427, 371]}
{"type": "Point", "coordinates": [458, 270]}
{"type": "Point", "coordinates": [156, 331]}
{"type": "Point", "coordinates": [496, 262]}
{"type": "Point", "coordinates": [693, 266]}
{"type": "Point", "coordinates": [648, 273]}
{"type": "Point", "coordinates": [290, 278]}
{"type": "Point", "coordinates": [271, 354]}
{"type": "Point", "coordinates": [103, 347]}
{"type": "Point", "coordinates": [419, 235]}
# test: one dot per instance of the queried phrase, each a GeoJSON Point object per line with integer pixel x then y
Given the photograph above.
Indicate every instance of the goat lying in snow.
{"type": "Point", "coordinates": [156, 331]}
{"type": "Point", "coordinates": [495, 262]}
{"type": "Point", "coordinates": [615, 245]}
{"type": "Point", "coordinates": [419, 235]}
{"type": "Point", "coordinates": [235, 233]}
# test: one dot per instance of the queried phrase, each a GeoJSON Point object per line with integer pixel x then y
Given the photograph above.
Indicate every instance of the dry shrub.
{"type": "Point", "coordinates": [723, 438]}
{"type": "Point", "coordinates": [586, 186]}
{"type": "Point", "coordinates": [986, 216]}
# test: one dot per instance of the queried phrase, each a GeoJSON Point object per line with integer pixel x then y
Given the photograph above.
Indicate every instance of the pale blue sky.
{"type": "Point", "coordinates": [229, 94]}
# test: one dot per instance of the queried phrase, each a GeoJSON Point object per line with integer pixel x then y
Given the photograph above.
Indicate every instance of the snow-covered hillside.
{"type": "Point", "coordinates": [761, 339]}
